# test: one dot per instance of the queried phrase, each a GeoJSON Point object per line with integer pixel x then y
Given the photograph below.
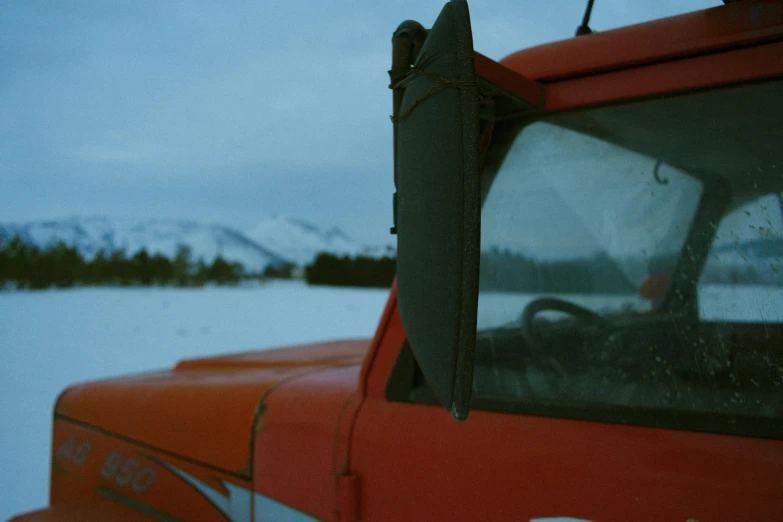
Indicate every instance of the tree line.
{"type": "Point", "coordinates": [26, 266]}
{"type": "Point", "coordinates": [515, 272]}
{"type": "Point", "coordinates": [62, 266]}
{"type": "Point", "coordinates": [363, 271]}
{"type": "Point", "coordinates": [503, 270]}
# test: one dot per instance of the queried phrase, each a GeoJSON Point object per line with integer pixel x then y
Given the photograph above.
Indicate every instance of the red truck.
{"type": "Point", "coordinates": [586, 322]}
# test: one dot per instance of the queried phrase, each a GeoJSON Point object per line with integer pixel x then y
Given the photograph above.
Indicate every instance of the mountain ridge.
{"type": "Point", "coordinates": [274, 241]}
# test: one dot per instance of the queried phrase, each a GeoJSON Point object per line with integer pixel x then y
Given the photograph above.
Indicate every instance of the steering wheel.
{"type": "Point", "coordinates": [559, 305]}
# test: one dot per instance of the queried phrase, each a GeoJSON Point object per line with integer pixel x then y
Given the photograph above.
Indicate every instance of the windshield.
{"type": "Point", "coordinates": [630, 256]}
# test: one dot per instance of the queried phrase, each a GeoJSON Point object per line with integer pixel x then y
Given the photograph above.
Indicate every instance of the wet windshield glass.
{"type": "Point", "coordinates": [631, 256]}
{"type": "Point", "coordinates": [592, 223]}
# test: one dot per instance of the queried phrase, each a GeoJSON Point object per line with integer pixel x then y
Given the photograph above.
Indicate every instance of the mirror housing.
{"type": "Point", "coordinates": [438, 207]}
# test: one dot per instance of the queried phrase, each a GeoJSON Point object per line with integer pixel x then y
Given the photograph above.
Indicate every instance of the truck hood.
{"type": "Point", "coordinates": [204, 409]}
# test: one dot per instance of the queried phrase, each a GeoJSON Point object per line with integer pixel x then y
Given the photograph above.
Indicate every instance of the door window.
{"type": "Point", "coordinates": [630, 260]}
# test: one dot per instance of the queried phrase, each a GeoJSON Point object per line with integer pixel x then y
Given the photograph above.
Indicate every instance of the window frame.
{"type": "Point", "coordinates": [406, 383]}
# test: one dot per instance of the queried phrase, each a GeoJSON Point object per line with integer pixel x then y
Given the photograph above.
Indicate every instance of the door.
{"type": "Point", "coordinates": [628, 361]}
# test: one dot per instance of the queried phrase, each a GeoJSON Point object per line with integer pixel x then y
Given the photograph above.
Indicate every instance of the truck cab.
{"type": "Point", "coordinates": [587, 321]}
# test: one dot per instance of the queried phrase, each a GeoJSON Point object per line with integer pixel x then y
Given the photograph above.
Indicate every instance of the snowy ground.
{"type": "Point", "coordinates": [734, 304]}
{"type": "Point", "coordinates": [51, 339]}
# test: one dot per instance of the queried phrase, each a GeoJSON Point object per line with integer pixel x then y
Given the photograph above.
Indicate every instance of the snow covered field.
{"type": "Point", "coordinates": [51, 339]}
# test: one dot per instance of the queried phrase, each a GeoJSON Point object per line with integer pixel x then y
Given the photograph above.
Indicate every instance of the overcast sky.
{"type": "Point", "coordinates": [227, 112]}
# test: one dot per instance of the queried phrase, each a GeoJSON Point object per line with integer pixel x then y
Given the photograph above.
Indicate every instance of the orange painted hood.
{"type": "Point", "coordinates": [204, 409]}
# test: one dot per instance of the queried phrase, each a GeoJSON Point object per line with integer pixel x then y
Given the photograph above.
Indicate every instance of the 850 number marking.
{"type": "Point", "coordinates": [129, 471]}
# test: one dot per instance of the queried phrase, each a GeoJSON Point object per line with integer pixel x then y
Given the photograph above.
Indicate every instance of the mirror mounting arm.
{"type": "Point", "coordinates": [406, 44]}
{"type": "Point", "coordinates": [407, 41]}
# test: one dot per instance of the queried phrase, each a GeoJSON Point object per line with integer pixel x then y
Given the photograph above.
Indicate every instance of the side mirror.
{"type": "Point", "coordinates": [438, 207]}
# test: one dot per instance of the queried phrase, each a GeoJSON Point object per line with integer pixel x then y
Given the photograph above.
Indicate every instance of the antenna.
{"type": "Point", "coordinates": [584, 28]}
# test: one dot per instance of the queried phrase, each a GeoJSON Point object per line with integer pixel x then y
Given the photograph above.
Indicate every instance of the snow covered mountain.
{"type": "Point", "coordinates": [301, 241]}
{"type": "Point", "coordinates": [274, 241]}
